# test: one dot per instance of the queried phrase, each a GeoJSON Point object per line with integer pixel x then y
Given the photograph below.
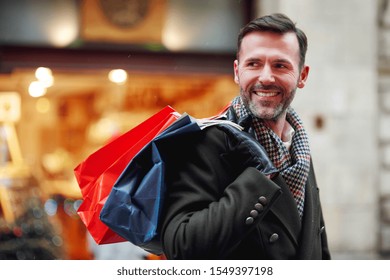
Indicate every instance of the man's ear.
{"type": "Point", "coordinates": [303, 76]}
{"type": "Point", "coordinates": [236, 79]}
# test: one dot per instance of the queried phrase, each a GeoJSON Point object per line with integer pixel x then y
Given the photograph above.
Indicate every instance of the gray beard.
{"type": "Point", "coordinates": [278, 111]}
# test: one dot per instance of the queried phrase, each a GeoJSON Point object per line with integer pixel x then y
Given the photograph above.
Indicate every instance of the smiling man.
{"type": "Point", "coordinates": [268, 72]}
{"type": "Point", "coordinates": [224, 201]}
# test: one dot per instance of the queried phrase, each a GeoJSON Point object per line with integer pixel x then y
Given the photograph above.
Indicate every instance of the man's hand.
{"type": "Point", "coordinates": [247, 150]}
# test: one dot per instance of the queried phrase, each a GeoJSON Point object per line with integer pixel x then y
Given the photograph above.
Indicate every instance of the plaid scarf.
{"type": "Point", "coordinates": [293, 165]}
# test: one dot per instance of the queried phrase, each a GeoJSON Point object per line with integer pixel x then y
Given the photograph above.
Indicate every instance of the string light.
{"type": "Point", "coordinates": [37, 89]}
{"type": "Point", "coordinates": [44, 80]}
{"type": "Point", "coordinates": [43, 105]}
{"type": "Point", "coordinates": [118, 76]}
{"type": "Point", "coordinates": [45, 76]}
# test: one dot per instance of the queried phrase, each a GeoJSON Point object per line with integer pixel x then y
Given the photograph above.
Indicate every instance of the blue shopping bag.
{"type": "Point", "coordinates": [134, 205]}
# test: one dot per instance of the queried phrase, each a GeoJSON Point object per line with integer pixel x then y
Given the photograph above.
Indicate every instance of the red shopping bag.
{"type": "Point", "coordinates": [97, 173]}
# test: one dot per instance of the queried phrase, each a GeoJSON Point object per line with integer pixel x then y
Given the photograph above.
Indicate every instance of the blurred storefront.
{"type": "Point", "coordinates": [75, 74]}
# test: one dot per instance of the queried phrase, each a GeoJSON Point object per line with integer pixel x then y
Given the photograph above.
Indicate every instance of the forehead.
{"type": "Point", "coordinates": [269, 43]}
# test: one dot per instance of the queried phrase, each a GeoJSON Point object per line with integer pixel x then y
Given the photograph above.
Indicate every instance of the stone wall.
{"type": "Point", "coordinates": [340, 108]}
{"type": "Point", "coordinates": [384, 123]}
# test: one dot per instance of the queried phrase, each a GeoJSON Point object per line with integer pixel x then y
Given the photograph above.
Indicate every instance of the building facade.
{"type": "Point", "coordinates": [346, 106]}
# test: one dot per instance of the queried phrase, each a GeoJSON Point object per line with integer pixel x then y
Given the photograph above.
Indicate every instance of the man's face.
{"type": "Point", "coordinates": [268, 73]}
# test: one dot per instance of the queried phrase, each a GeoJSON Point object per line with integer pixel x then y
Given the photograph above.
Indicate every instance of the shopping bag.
{"type": "Point", "coordinates": [133, 207]}
{"type": "Point", "coordinates": [97, 174]}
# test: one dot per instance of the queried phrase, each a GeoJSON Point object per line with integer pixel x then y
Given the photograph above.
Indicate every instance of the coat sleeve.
{"type": "Point", "coordinates": [210, 200]}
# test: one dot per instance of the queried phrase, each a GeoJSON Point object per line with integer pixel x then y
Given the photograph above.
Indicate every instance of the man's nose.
{"type": "Point", "coordinates": [266, 75]}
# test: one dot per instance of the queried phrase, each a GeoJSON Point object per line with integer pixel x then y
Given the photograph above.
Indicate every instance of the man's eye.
{"type": "Point", "coordinates": [253, 64]}
{"type": "Point", "coordinates": [280, 66]}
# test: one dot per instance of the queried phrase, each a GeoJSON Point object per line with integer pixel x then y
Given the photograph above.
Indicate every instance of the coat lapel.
{"type": "Point", "coordinates": [301, 232]}
{"type": "Point", "coordinates": [310, 216]}
{"type": "Point", "coordinates": [282, 210]}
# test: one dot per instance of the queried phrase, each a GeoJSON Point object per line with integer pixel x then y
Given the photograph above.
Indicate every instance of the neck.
{"type": "Point", "coordinates": [277, 125]}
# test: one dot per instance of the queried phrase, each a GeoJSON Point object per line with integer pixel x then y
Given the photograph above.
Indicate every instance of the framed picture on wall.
{"type": "Point", "coordinates": [123, 21]}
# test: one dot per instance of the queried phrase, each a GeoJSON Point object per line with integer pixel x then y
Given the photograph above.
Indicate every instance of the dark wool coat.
{"type": "Point", "coordinates": [218, 206]}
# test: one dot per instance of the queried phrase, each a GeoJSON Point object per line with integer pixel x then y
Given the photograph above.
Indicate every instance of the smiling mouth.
{"type": "Point", "coordinates": [265, 94]}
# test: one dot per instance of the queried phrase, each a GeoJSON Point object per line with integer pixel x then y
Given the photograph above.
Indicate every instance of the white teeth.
{"type": "Point", "coordinates": [265, 94]}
